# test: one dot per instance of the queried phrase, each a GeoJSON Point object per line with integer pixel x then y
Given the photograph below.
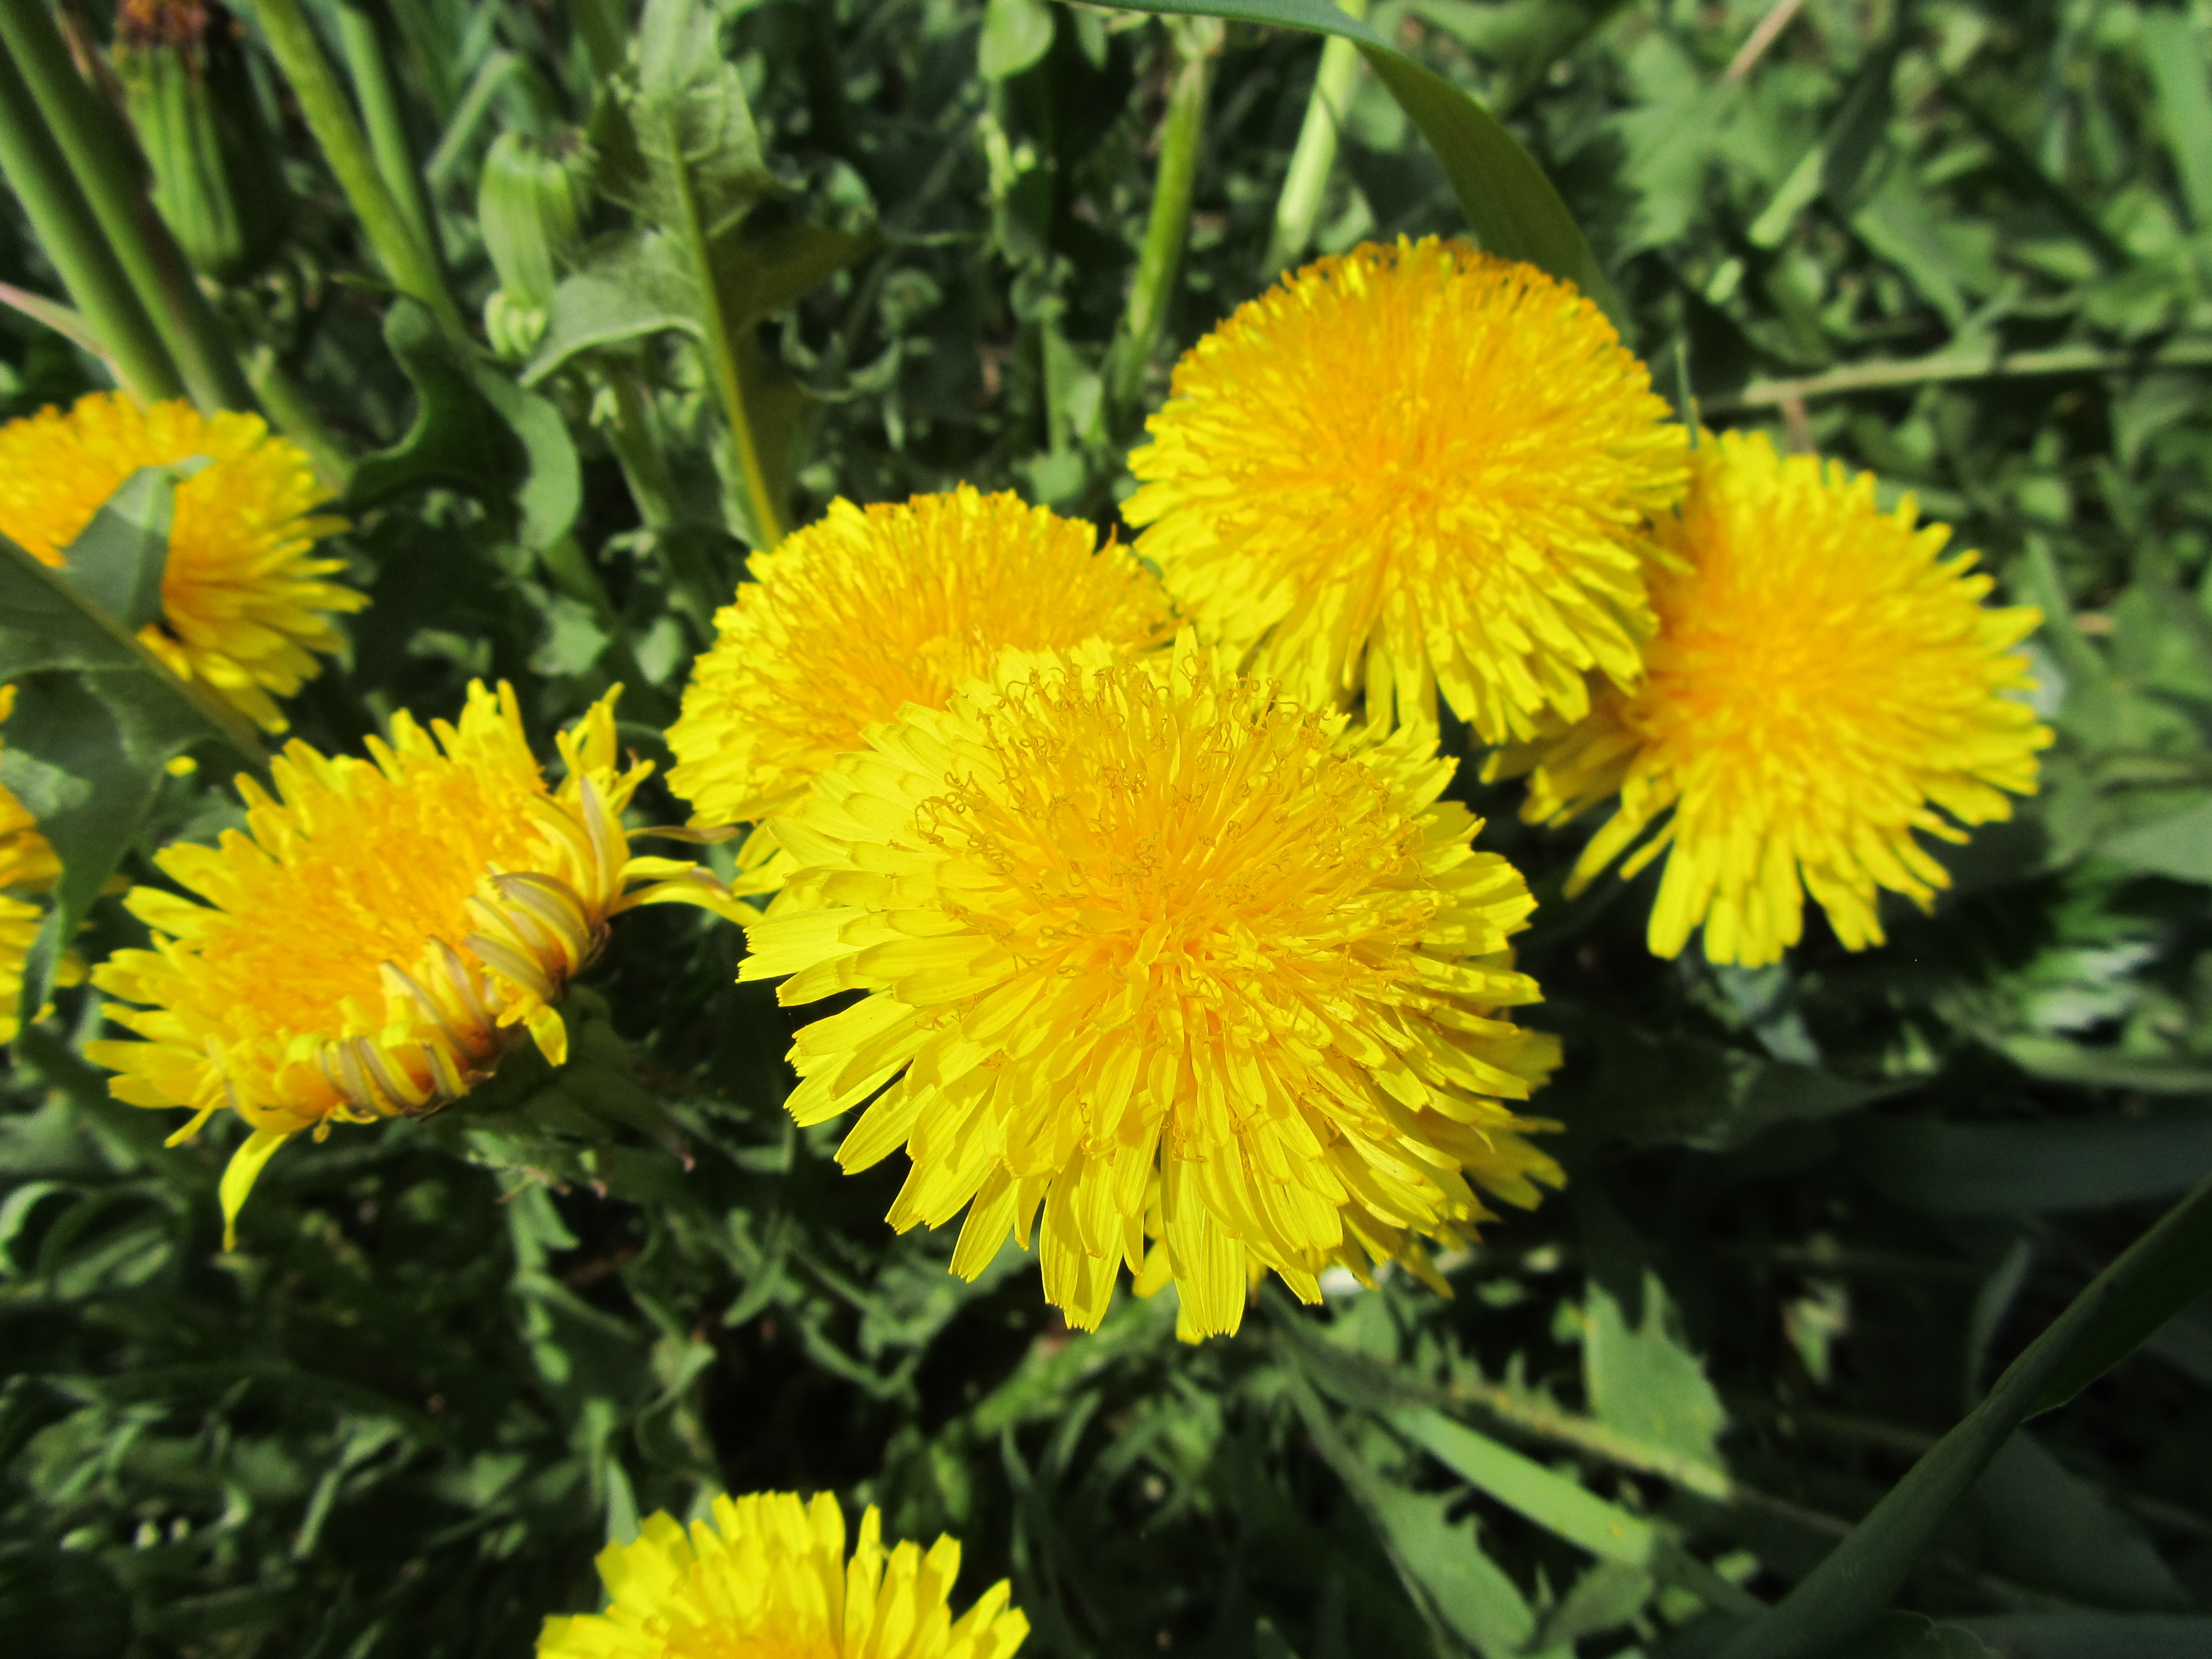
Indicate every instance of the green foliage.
{"type": "Point", "coordinates": [1813, 1211]}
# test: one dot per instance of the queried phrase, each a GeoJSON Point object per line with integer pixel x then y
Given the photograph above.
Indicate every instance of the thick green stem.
{"type": "Point", "coordinates": [329, 117]}
{"type": "Point", "coordinates": [1168, 227]}
{"type": "Point", "coordinates": [1299, 205]}
{"type": "Point", "coordinates": [109, 173]}
{"type": "Point", "coordinates": [40, 177]}
{"type": "Point", "coordinates": [362, 32]}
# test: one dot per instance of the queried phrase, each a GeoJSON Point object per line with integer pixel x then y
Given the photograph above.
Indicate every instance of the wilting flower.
{"type": "Point", "coordinates": [1824, 684]}
{"type": "Point", "coordinates": [766, 1575]}
{"type": "Point", "coordinates": [245, 602]}
{"type": "Point", "coordinates": [1414, 468]}
{"type": "Point", "coordinates": [27, 865]}
{"type": "Point", "coordinates": [383, 933]}
{"type": "Point", "coordinates": [1138, 937]}
{"type": "Point", "coordinates": [871, 608]}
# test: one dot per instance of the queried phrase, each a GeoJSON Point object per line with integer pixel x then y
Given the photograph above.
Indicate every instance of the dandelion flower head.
{"type": "Point", "coordinates": [1142, 940]}
{"type": "Point", "coordinates": [382, 932]}
{"type": "Point", "coordinates": [765, 1576]}
{"type": "Point", "coordinates": [245, 603]}
{"type": "Point", "coordinates": [27, 866]}
{"type": "Point", "coordinates": [868, 609]}
{"type": "Point", "coordinates": [1410, 469]}
{"type": "Point", "coordinates": [1826, 683]}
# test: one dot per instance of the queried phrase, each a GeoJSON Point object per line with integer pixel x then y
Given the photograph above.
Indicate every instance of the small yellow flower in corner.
{"type": "Point", "coordinates": [383, 932]}
{"type": "Point", "coordinates": [245, 603]}
{"type": "Point", "coordinates": [871, 608]}
{"type": "Point", "coordinates": [1415, 469]}
{"type": "Point", "coordinates": [1158, 953]}
{"type": "Point", "coordinates": [766, 1575]}
{"type": "Point", "coordinates": [1824, 684]}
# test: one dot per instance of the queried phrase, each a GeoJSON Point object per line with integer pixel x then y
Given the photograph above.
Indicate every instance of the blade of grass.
{"type": "Point", "coordinates": [109, 174]}
{"type": "Point", "coordinates": [330, 116]}
{"type": "Point", "coordinates": [1314, 156]}
{"type": "Point", "coordinates": [362, 32]}
{"type": "Point", "coordinates": [1168, 225]}
{"type": "Point", "coordinates": [2174, 52]}
{"type": "Point", "coordinates": [1510, 206]}
{"type": "Point", "coordinates": [2161, 1273]}
{"type": "Point", "coordinates": [61, 218]}
{"type": "Point", "coordinates": [1991, 363]}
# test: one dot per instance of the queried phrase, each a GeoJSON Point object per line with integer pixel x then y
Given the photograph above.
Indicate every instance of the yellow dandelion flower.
{"type": "Point", "coordinates": [766, 1578]}
{"type": "Point", "coordinates": [1128, 919]}
{"type": "Point", "coordinates": [245, 602]}
{"type": "Point", "coordinates": [1823, 682]}
{"type": "Point", "coordinates": [27, 865]}
{"type": "Point", "coordinates": [384, 931]}
{"type": "Point", "coordinates": [19, 930]}
{"type": "Point", "coordinates": [1411, 468]}
{"type": "Point", "coordinates": [871, 608]}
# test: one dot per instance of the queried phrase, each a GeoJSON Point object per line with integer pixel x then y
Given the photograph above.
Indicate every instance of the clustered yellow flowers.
{"type": "Point", "coordinates": [1173, 954]}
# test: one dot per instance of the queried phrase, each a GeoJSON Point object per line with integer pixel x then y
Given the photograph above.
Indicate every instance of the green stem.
{"type": "Point", "coordinates": [732, 364]}
{"type": "Point", "coordinates": [331, 118]}
{"type": "Point", "coordinates": [109, 173]}
{"type": "Point", "coordinates": [1304, 185]}
{"type": "Point", "coordinates": [62, 220]}
{"type": "Point", "coordinates": [293, 415]}
{"type": "Point", "coordinates": [1168, 227]}
{"type": "Point", "coordinates": [1988, 363]}
{"type": "Point", "coordinates": [362, 33]}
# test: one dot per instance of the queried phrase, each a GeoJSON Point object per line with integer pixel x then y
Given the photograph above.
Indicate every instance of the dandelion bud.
{"type": "Point", "coordinates": [513, 326]}
{"type": "Point", "coordinates": [217, 180]}
{"type": "Point", "coordinates": [531, 201]}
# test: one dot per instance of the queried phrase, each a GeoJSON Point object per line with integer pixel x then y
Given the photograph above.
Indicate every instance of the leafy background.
{"type": "Point", "coordinates": [1814, 1210]}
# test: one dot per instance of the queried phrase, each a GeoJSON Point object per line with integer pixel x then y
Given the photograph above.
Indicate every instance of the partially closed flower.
{"type": "Point", "coordinates": [385, 931]}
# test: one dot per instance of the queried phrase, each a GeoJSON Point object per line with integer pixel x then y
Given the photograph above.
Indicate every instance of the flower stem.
{"type": "Point", "coordinates": [733, 363]}
{"type": "Point", "coordinates": [109, 173]}
{"type": "Point", "coordinates": [1194, 42]}
{"type": "Point", "coordinates": [1304, 185]}
{"type": "Point", "coordinates": [292, 415]}
{"type": "Point", "coordinates": [66, 229]}
{"type": "Point", "coordinates": [362, 32]}
{"type": "Point", "coordinates": [331, 118]}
